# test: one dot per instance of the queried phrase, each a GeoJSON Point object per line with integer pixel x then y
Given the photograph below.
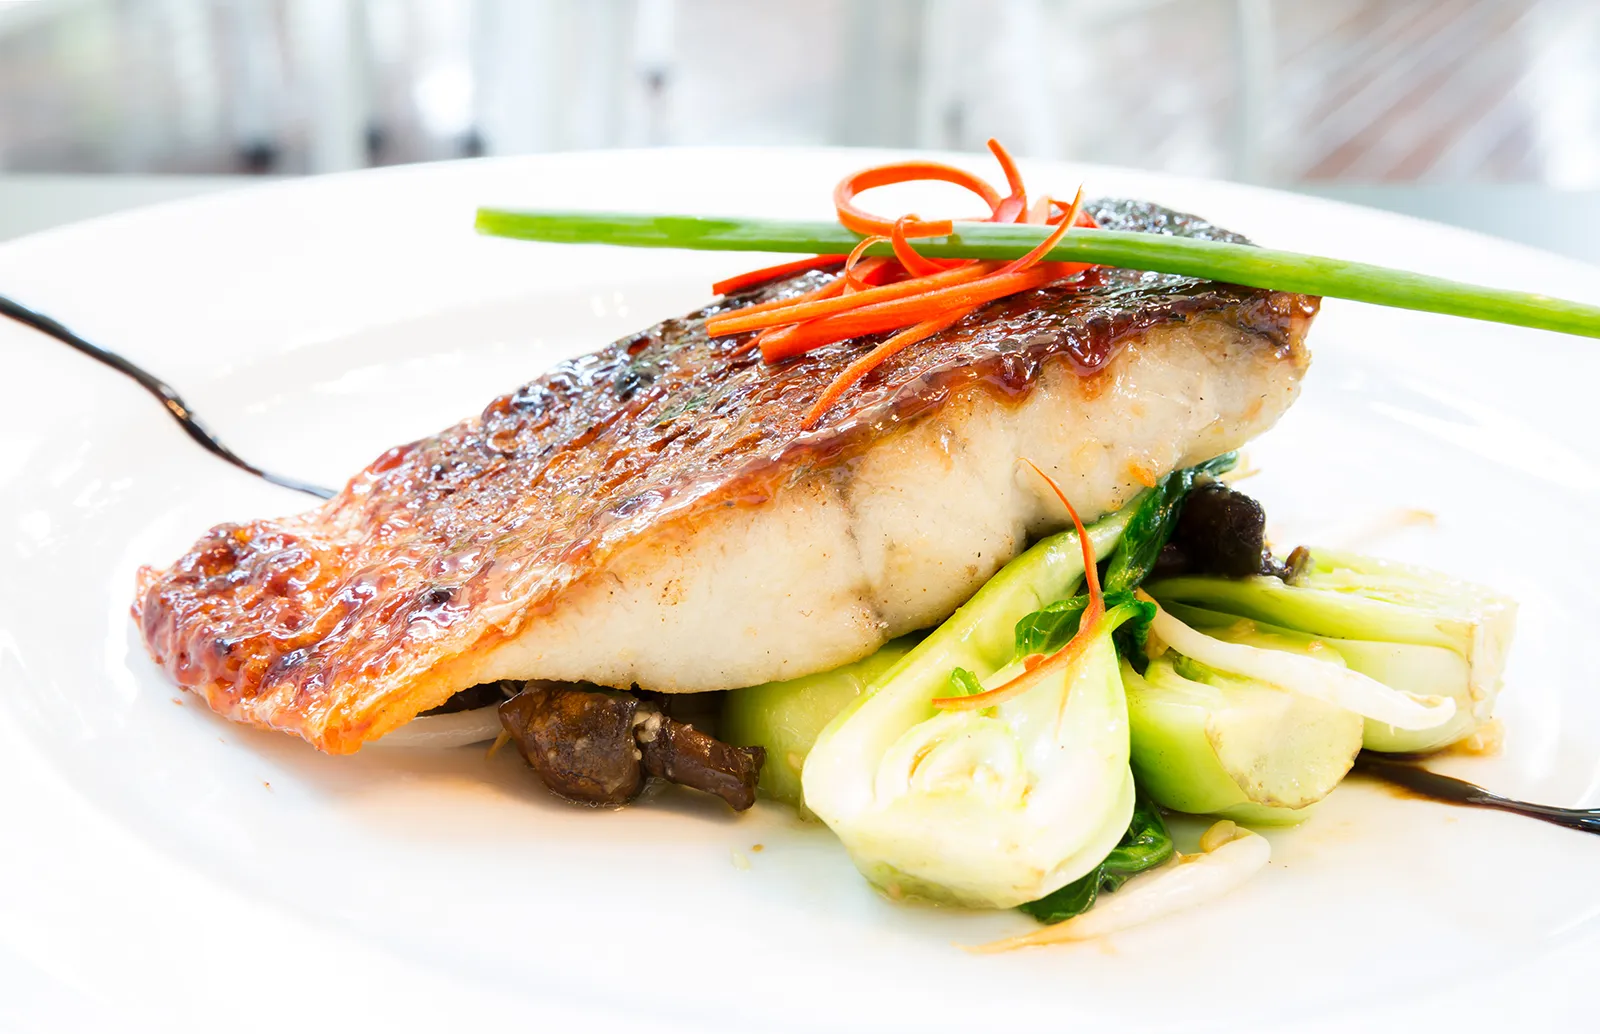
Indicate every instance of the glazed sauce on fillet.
{"type": "Point", "coordinates": [314, 624]}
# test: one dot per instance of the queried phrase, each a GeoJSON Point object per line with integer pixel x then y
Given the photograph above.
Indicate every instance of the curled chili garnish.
{"type": "Point", "coordinates": [1088, 624]}
{"type": "Point", "coordinates": [909, 296]}
{"type": "Point", "coordinates": [904, 172]}
{"type": "Point", "coordinates": [907, 256]}
{"type": "Point", "coordinates": [1014, 205]}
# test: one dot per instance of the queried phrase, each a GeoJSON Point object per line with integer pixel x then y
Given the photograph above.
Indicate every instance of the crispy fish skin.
{"type": "Point", "coordinates": [652, 514]}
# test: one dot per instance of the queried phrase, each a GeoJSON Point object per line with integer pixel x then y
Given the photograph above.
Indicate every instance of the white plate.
{"type": "Point", "coordinates": [163, 867]}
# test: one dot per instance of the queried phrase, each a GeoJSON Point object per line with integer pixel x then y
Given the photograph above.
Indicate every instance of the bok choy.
{"type": "Point", "coordinates": [1416, 631]}
{"type": "Point", "coordinates": [1210, 742]}
{"type": "Point", "coordinates": [1254, 726]}
{"type": "Point", "coordinates": [993, 807]}
{"type": "Point", "coordinates": [1145, 845]}
{"type": "Point", "coordinates": [785, 717]}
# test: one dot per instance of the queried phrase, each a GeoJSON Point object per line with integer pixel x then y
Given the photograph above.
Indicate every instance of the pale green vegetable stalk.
{"type": "Point", "coordinates": [988, 808]}
{"type": "Point", "coordinates": [1320, 674]}
{"type": "Point", "coordinates": [1208, 743]}
{"type": "Point", "coordinates": [785, 717]}
{"type": "Point", "coordinates": [1254, 726]}
{"type": "Point", "coordinates": [1412, 629]}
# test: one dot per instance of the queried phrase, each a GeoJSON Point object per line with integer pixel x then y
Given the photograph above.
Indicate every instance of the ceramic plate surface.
{"type": "Point", "coordinates": [162, 867]}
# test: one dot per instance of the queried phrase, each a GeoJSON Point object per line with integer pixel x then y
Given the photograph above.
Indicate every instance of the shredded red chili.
{"type": "Point", "coordinates": [910, 294]}
{"type": "Point", "coordinates": [1088, 624]}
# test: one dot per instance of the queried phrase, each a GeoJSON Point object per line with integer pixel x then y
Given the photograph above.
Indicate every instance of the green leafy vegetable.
{"type": "Point", "coordinates": [1420, 632]}
{"type": "Point", "coordinates": [1050, 628]}
{"type": "Point", "coordinates": [1161, 253]}
{"type": "Point", "coordinates": [785, 717]}
{"type": "Point", "coordinates": [1144, 846]}
{"type": "Point", "coordinates": [1206, 742]}
{"type": "Point", "coordinates": [964, 684]}
{"type": "Point", "coordinates": [1151, 520]}
{"type": "Point", "coordinates": [996, 806]}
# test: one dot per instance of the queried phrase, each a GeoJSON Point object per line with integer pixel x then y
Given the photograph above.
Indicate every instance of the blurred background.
{"type": "Point", "coordinates": [1277, 91]}
{"type": "Point", "coordinates": [1341, 97]}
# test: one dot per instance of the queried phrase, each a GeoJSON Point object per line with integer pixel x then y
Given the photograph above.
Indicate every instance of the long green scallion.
{"type": "Point", "coordinates": [1161, 253]}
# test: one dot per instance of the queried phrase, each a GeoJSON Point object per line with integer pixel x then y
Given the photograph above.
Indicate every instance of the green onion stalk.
{"type": "Point", "coordinates": [1242, 264]}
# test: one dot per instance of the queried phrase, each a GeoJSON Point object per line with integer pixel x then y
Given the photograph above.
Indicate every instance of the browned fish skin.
{"type": "Point", "coordinates": [341, 623]}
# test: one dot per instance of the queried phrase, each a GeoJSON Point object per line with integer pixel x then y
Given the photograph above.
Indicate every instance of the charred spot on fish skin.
{"type": "Point", "coordinates": [532, 398]}
{"type": "Point", "coordinates": [630, 380]}
{"type": "Point", "coordinates": [437, 597]}
{"type": "Point", "coordinates": [285, 664]}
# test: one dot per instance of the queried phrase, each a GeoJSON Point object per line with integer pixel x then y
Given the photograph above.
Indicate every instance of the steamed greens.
{"type": "Point", "coordinates": [1145, 845]}
{"type": "Point", "coordinates": [1211, 743]}
{"type": "Point", "coordinates": [1420, 632]}
{"type": "Point", "coordinates": [991, 808]}
{"type": "Point", "coordinates": [785, 717]}
{"type": "Point", "coordinates": [1314, 671]}
{"type": "Point", "coordinates": [1254, 726]}
{"type": "Point", "coordinates": [1246, 698]}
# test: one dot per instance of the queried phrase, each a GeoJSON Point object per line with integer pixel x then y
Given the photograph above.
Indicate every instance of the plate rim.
{"type": "Point", "coordinates": [47, 246]}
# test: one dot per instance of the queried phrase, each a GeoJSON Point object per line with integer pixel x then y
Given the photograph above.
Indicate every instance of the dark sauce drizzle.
{"type": "Point", "coordinates": [1419, 780]}
{"type": "Point", "coordinates": [170, 399]}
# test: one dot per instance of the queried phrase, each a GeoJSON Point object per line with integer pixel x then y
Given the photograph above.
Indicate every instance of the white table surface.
{"type": "Point", "coordinates": [1565, 222]}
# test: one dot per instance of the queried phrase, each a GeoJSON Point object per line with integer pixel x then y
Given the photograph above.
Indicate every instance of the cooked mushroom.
{"type": "Point", "coordinates": [596, 746]}
{"type": "Point", "coordinates": [681, 754]}
{"type": "Point", "coordinates": [1222, 531]}
{"type": "Point", "coordinates": [580, 741]}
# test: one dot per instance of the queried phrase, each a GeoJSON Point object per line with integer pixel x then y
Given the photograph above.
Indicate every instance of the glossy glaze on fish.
{"type": "Point", "coordinates": [652, 514]}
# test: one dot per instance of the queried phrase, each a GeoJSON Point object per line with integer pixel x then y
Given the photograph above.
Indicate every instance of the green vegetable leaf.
{"type": "Point", "coordinates": [964, 684]}
{"type": "Point", "coordinates": [1074, 899]}
{"type": "Point", "coordinates": [1153, 522]}
{"type": "Point", "coordinates": [1134, 633]}
{"type": "Point", "coordinates": [1049, 629]}
{"type": "Point", "coordinates": [1144, 846]}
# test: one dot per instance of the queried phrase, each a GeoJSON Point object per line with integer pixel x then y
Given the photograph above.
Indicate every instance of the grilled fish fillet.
{"type": "Point", "coordinates": [652, 514]}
